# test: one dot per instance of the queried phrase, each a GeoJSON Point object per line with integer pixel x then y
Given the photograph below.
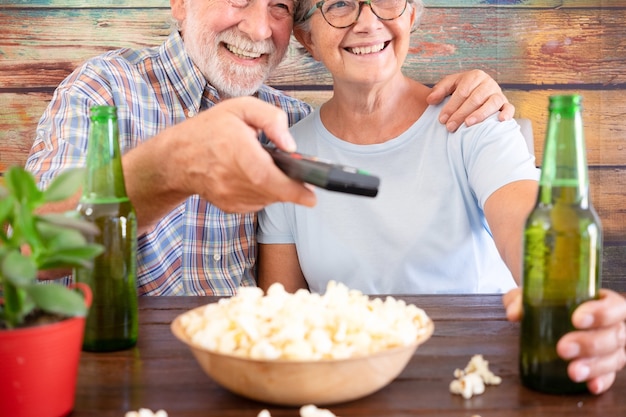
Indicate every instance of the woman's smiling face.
{"type": "Point", "coordinates": [368, 52]}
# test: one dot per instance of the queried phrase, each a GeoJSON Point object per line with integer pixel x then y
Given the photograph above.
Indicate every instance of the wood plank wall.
{"type": "Point", "coordinates": [533, 48]}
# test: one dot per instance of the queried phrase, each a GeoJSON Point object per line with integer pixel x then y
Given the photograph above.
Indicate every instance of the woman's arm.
{"type": "Point", "coordinates": [279, 263]}
{"type": "Point", "coordinates": [506, 211]}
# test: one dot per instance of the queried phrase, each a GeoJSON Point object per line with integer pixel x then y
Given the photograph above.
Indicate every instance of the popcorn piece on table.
{"type": "Point", "coordinates": [145, 412]}
{"type": "Point", "coordinates": [471, 381]}
{"type": "Point", "coordinates": [305, 411]}
{"type": "Point", "coordinates": [468, 385]}
{"type": "Point", "coordinates": [312, 411]}
{"type": "Point", "coordinates": [480, 366]}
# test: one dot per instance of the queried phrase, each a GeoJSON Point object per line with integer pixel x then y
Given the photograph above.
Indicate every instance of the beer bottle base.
{"type": "Point", "coordinates": [551, 385]}
{"type": "Point", "coordinates": [108, 345]}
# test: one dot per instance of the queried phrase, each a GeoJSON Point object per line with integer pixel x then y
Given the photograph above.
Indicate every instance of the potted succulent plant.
{"type": "Point", "coordinates": [41, 325]}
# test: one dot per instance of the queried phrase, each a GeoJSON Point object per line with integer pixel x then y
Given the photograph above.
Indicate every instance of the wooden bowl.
{"type": "Point", "coordinates": [297, 383]}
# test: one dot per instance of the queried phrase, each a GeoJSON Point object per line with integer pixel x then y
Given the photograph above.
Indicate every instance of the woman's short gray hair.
{"type": "Point", "coordinates": [302, 7]}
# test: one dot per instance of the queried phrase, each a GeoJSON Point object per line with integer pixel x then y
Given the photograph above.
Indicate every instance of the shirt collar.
{"type": "Point", "coordinates": [186, 78]}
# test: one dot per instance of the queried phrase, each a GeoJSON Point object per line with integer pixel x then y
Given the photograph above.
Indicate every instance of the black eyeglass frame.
{"type": "Point", "coordinates": [320, 3]}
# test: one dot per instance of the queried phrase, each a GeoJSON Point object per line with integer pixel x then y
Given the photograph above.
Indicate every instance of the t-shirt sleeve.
{"type": "Point", "coordinates": [274, 226]}
{"type": "Point", "coordinates": [495, 155]}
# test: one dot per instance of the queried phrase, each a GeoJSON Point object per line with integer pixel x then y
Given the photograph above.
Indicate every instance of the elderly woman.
{"type": "Point", "coordinates": [451, 208]}
{"type": "Point", "coordinates": [426, 231]}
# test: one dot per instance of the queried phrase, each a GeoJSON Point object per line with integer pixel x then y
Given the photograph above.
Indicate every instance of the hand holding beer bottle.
{"type": "Point", "coordinates": [562, 251]}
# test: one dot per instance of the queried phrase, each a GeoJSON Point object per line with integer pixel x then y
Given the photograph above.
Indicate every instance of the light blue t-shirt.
{"type": "Point", "coordinates": [425, 232]}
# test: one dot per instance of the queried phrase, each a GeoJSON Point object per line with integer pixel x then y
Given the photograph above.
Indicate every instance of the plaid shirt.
{"type": "Point", "coordinates": [196, 249]}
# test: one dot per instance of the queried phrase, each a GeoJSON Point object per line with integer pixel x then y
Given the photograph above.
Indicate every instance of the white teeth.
{"type": "Point", "coordinates": [242, 53]}
{"type": "Point", "coordinates": [361, 50]}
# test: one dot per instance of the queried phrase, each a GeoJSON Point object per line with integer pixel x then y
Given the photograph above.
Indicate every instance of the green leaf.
{"type": "Point", "coordinates": [15, 306]}
{"type": "Point", "coordinates": [56, 237]}
{"type": "Point", "coordinates": [6, 208]}
{"type": "Point", "coordinates": [22, 185]}
{"type": "Point", "coordinates": [18, 269]}
{"type": "Point", "coordinates": [55, 298]}
{"type": "Point", "coordinates": [25, 224]}
{"type": "Point", "coordinates": [71, 257]}
{"type": "Point", "coordinates": [65, 185]}
{"type": "Point", "coordinates": [53, 240]}
{"type": "Point", "coordinates": [70, 221]}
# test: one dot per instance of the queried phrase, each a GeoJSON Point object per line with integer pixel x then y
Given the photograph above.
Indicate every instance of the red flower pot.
{"type": "Point", "coordinates": [39, 367]}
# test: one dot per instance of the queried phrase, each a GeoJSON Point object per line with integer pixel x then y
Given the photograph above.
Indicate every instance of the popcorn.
{"type": "Point", "coordinates": [468, 385]}
{"type": "Point", "coordinates": [480, 366]}
{"type": "Point", "coordinates": [305, 411]}
{"type": "Point", "coordinates": [342, 323]}
{"type": "Point", "coordinates": [145, 412]}
{"type": "Point", "coordinates": [471, 380]}
{"type": "Point", "coordinates": [313, 411]}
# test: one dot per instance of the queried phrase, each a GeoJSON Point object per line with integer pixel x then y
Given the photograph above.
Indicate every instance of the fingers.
{"type": "Point", "coordinates": [442, 89]}
{"type": "Point", "coordinates": [253, 190]}
{"type": "Point", "coordinates": [608, 310]}
{"type": "Point", "coordinates": [224, 162]}
{"type": "Point", "coordinates": [475, 97]}
{"type": "Point", "coordinates": [601, 384]}
{"type": "Point", "coordinates": [251, 181]}
{"type": "Point", "coordinates": [603, 329]}
{"type": "Point", "coordinates": [278, 187]}
{"type": "Point", "coordinates": [597, 351]}
{"type": "Point", "coordinates": [460, 87]}
{"type": "Point", "coordinates": [506, 112]}
{"type": "Point", "coordinates": [486, 99]}
{"type": "Point", "coordinates": [512, 301]}
{"type": "Point", "coordinates": [593, 343]}
{"type": "Point", "coordinates": [265, 176]}
{"type": "Point", "coordinates": [267, 117]}
{"type": "Point", "coordinates": [599, 372]}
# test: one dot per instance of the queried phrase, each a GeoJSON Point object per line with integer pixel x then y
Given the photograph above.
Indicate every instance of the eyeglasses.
{"type": "Point", "coordinates": [344, 13]}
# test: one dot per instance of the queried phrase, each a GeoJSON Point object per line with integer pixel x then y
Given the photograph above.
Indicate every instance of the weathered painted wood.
{"type": "Point", "coordinates": [548, 4]}
{"type": "Point", "coordinates": [529, 48]}
{"type": "Point", "coordinates": [526, 48]}
{"type": "Point", "coordinates": [551, 4]}
{"type": "Point", "coordinates": [79, 4]}
{"type": "Point", "coordinates": [53, 42]}
{"type": "Point", "coordinates": [604, 113]}
{"type": "Point", "coordinates": [614, 266]}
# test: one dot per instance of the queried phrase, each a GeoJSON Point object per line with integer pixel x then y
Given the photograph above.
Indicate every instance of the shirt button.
{"type": "Point", "coordinates": [191, 113]}
{"type": "Point", "coordinates": [217, 257]}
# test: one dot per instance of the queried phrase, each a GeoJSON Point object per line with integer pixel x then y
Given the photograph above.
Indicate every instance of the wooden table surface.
{"type": "Point", "coordinates": [161, 373]}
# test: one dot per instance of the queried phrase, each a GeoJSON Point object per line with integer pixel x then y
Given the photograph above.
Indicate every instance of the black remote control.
{"type": "Point", "coordinates": [324, 174]}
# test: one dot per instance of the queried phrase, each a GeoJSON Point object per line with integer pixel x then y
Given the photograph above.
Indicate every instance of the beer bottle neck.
{"type": "Point", "coordinates": [105, 179]}
{"type": "Point", "coordinates": [564, 176]}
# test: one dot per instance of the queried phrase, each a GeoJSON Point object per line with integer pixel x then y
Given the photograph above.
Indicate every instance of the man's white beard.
{"type": "Point", "coordinates": [230, 79]}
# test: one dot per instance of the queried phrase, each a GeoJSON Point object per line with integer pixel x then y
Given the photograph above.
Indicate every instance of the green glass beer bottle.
{"type": "Point", "coordinates": [112, 319]}
{"type": "Point", "coordinates": [562, 251]}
